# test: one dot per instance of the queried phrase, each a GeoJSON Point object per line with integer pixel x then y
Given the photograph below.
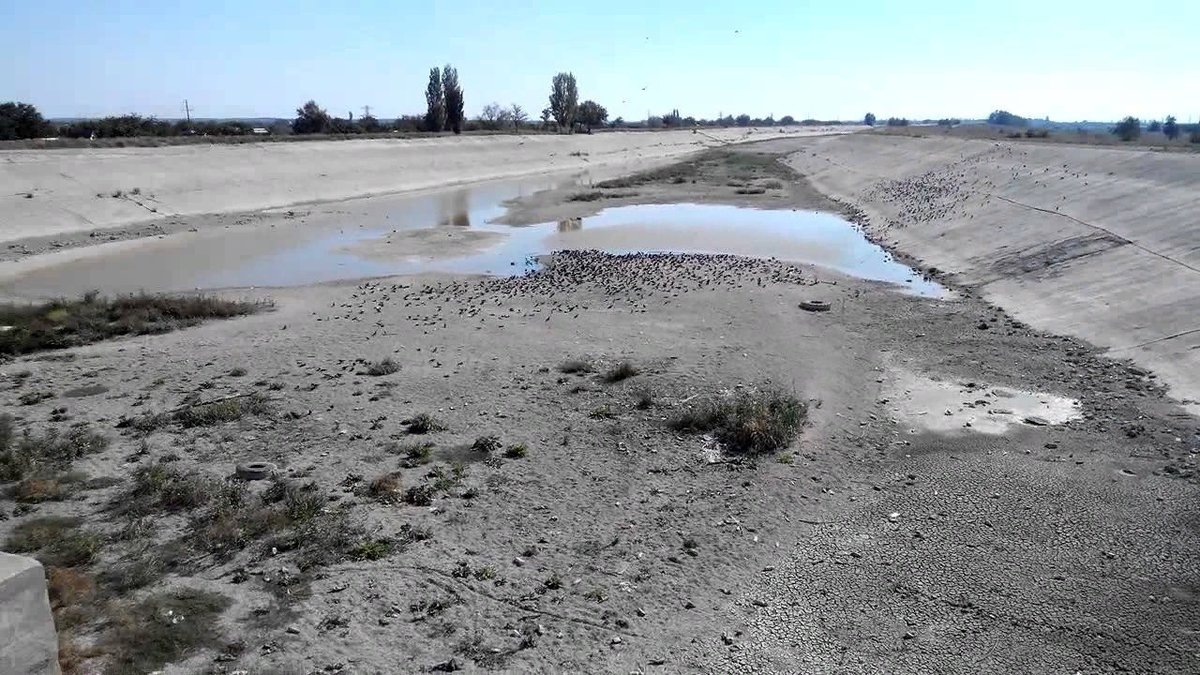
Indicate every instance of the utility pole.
{"type": "Point", "coordinates": [187, 111]}
{"type": "Point", "coordinates": [366, 111]}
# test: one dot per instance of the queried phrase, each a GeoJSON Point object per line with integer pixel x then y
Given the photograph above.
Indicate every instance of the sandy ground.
{"type": "Point", "coordinates": [970, 494]}
{"type": "Point", "coordinates": [51, 195]}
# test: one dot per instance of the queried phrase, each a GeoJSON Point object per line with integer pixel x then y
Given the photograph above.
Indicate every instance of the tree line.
{"type": "Point", "coordinates": [445, 113]}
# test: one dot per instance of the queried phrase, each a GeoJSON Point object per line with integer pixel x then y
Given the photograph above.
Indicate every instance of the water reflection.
{"type": "Point", "coordinates": [570, 225]}
{"type": "Point", "coordinates": [454, 209]}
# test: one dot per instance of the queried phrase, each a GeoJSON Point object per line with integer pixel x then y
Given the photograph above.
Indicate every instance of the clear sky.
{"type": "Point", "coordinates": [833, 59]}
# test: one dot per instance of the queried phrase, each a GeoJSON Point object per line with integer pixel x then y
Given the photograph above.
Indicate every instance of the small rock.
{"type": "Point", "coordinates": [616, 640]}
{"type": "Point", "coordinates": [1037, 421]}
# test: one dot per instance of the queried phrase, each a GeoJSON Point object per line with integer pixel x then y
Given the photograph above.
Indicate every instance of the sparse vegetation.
{"type": "Point", "coordinates": [56, 541]}
{"type": "Point", "coordinates": [594, 195]}
{"type": "Point", "coordinates": [375, 549]}
{"type": "Point", "coordinates": [385, 367]}
{"type": "Point", "coordinates": [163, 628]}
{"type": "Point", "coordinates": [516, 451]}
{"type": "Point", "coordinates": [486, 444]}
{"type": "Point", "coordinates": [387, 488]}
{"type": "Point", "coordinates": [415, 454]}
{"type": "Point", "coordinates": [643, 398]}
{"type": "Point", "coordinates": [44, 455]}
{"type": "Point", "coordinates": [423, 423]}
{"type": "Point", "coordinates": [220, 412]}
{"type": "Point", "coordinates": [747, 423]}
{"type": "Point", "coordinates": [69, 323]}
{"type": "Point", "coordinates": [575, 367]}
{"type": "Point", "coordinates": [620, 372]}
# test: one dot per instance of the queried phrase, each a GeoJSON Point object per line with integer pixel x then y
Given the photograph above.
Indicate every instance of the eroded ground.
{"type": "Point", "coordinates": [544, 516]}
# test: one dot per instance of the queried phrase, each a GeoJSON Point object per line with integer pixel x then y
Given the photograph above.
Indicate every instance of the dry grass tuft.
{"type": "Point", "coordinates": [749, 423]}
{"type": "Point", "coordinates": [387, 488]}
{"type": "Point", "coordinates": [620, 372]}
{"type": "Point", "coordinates": [164, 628]}
{"type": "Point", "coordinates": [384, 367]}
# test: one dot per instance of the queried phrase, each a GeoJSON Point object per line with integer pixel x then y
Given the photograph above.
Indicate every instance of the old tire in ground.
{"type": "Point", "coordinates": [814, 306]}
{"type": "Point", "coordinates": [255, 470]}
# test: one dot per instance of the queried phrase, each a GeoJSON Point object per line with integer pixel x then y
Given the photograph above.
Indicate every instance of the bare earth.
{"type": "Point", "coordinates": [971, 493]}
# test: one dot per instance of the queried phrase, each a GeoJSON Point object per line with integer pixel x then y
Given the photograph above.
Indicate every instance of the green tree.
{"type": "Point", "coordinates": [1006, 119]}
{"type": "Point", "coordinates": [21, 121]}
{"type": "Point", "coordinates": [564, 100]}
{"type": "Point", "coordinates": [1170, 129]}
{"type": "Point", "coordinates": [592, 114]}
{"type": "Point", "coordinates": [869, 119]}
{"type": "Point", "coordinates": [1128, 129]}
{"type": "Point", "coordinates": [454, 99]}
{"type": "Point", "coordinates": [311, 119]}
{"type": "Point", "coordinates": [787, 121]}
{"type": "Point", "coordinates": [1153, 127]}
{"type": "Point", "coordinates": [743, 120]}
{"type": "Point", "coordinates": [435, 102]}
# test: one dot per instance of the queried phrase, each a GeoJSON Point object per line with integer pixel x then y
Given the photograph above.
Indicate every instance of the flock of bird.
{"type": "Point", "coordinates": [567, 283]}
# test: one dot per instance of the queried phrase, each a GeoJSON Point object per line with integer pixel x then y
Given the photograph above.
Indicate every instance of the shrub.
{"type": "Point", "coordinates": [574, 367]}
{"type": "Point", "coordinates": [386, 488]}
{"type": "Point", "coordinates": [423, 423]}
{"type": "Point", "coordinates": [622, 371]}
{"type": "Point", "coordinates": [376, 549]}
{"type": "Point", "coordinates": [220, 412]}
{"type": "Point", "coordinates": [384, 367]}
{"type": "Point", "coordinates": [486, 444]}
{"type": "Point", "coordinates": [163, 628]}
{"type": "Point", "coordinates": [516, 451]}
{"type": "Point", "coordinates": [40, 455]}
{"type": "Point", "coordinates": [68, 323]}
{"type": "Point", "coordinates": [56, 541]}
{"type": "Point", "coordinates": [416, 454]}
{"type": "Point", "coordinates": [747, 423]}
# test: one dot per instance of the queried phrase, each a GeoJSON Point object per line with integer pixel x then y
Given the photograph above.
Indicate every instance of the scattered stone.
{"type": "Point", "coordinates": [1036, 421]}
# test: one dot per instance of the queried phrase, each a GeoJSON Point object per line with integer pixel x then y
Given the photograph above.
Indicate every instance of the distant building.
{"type": "Point", "coordinates": [260, 130]}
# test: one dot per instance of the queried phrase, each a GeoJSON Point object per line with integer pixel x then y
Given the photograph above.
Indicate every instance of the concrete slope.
{"type": "Point", "coordinates": [28, 642]}
{"type": "Point", "coordinates": [72, 190]}
{"type": "Point", "coordinates": [1099, 243]}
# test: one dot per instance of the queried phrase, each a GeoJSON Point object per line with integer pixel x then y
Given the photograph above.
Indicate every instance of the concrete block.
{"type": "Point", "coordinates": [28, 642]}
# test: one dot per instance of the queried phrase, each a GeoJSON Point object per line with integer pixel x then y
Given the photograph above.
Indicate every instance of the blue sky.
{"type": "Point", "coordinates": [1064, 59]}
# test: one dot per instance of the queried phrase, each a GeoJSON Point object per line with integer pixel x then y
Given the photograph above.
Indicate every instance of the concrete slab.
{"type": "Point", "coordinates": [28, 642]}
{"type": "Point", "coordinates": [1100, 243]}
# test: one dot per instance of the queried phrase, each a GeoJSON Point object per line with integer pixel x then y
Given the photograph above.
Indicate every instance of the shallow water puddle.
{"type": "Point", "coordinates": [453, 232]}
{"type": "Point", "coordinates": [937, 405]}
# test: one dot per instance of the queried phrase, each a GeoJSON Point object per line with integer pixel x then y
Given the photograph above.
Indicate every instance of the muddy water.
{"type": "Point", "coordinates": [453, 232]}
